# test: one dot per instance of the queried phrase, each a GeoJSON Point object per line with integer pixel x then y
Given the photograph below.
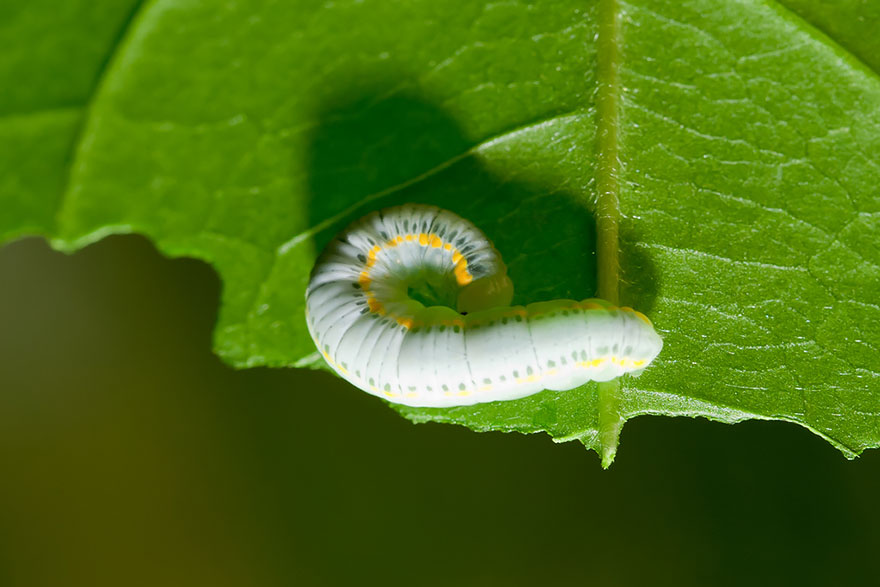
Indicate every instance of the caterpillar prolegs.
{"type": "Point", "coordinates": [371, 330]}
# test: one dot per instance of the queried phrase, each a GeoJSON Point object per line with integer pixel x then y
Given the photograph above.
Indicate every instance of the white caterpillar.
{"type": "Point", "coordinates": [374, 334]}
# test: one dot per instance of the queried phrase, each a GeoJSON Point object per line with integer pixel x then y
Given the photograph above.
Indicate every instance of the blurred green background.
{"type": "Point", "coordinates": [130, 455]}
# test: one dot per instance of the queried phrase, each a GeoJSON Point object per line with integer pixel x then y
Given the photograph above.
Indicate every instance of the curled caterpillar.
{"type": "Point", "coordinates": [370, 329]}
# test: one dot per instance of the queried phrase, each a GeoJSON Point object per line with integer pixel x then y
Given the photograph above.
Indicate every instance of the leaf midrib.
{"type": "Point", "coordinates": [608, 52]}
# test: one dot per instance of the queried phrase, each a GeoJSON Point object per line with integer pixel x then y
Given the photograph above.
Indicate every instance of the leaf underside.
{"type": "Point", "coordinates": [247, 134]}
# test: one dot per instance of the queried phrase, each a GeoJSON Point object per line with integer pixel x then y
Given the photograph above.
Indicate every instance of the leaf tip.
{"type": "Point", "coordinates": [608, 454]}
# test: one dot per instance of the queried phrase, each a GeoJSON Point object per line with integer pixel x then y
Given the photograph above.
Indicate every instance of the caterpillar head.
{"type": "Point", "coordinates": [484, 293]}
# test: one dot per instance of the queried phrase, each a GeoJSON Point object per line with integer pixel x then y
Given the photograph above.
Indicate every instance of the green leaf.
{"type": "Point", "coordinates": [51, 60]}
{"type": "Point", "coordinates": [724, 153]}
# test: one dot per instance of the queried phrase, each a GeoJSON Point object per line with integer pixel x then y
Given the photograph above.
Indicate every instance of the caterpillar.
{"type": "Point", "coordinates": [375, 334]}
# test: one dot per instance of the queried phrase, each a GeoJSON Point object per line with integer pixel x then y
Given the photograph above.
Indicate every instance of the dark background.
{"type": "Point", "coordinates": [130, 455]}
